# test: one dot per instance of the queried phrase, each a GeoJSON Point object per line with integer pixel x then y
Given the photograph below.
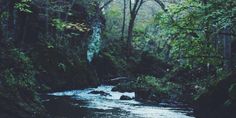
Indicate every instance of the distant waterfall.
{"type": "Point", "coordinates": [94, 41]}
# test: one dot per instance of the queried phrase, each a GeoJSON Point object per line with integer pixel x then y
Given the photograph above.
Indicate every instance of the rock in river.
{"type": "Point", "coordinates": [124, 97]}
{"type": "Point", "coordinates": [102, 93]}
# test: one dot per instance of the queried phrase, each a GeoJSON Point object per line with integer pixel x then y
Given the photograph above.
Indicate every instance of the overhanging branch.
{"type": "Point", "coordinates": [163, 7]}
{"type": "Point", "coordinates": [107, 3]}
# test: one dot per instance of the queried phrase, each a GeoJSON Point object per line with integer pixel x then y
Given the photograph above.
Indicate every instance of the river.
{"type": "Point", "coordinates": [83, 104]}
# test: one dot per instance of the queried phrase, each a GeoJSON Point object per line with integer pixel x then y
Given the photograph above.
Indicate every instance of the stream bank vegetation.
{"type": "Point", "coordinates": [172, 51]}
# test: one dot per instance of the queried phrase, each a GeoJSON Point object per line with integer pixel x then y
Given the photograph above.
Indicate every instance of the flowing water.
{"type": "Point", "coordinates": [87, 105]}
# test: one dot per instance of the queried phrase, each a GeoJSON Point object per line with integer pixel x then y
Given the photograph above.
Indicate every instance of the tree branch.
{"type": "Point", "coordinates": [139, 6]}
{"type": "Point", "coordinates": [107, 3]}
{"type": "Point", "coordinates": [201, 56]}
{"type": "Point", "coordinates": [163, 7]}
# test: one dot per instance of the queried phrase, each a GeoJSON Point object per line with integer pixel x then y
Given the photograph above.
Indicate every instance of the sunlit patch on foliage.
{"type": "Point", "coordinates": [62, 25]}
{"type": "Point", "coordinates": [24, 6]}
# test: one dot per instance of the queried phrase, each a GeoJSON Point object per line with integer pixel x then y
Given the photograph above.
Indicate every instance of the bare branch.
{"type": "Point", "coordinates": [107, 3]}
{"type": "Point", "coordinates": [163, 7]}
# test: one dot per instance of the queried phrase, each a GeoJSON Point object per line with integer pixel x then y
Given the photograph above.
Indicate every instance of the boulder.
{"type": "Point", "coordinates": [142, 94]}
{"type": "Point", "coordinates": [124, 97]}
{"type": "Point", "coordinates": [102, 93]}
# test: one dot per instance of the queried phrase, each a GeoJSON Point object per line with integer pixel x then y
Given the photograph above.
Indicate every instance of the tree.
{"type": "Point", "coordinates": [1, 11]}
{"type": "Point", "coordinates": [134, 6]}
{"type": "Point", "coordinates": [11, 17]}
{"type": "Point", "coordinates": [204, 25]}
{"type": "Point", "coordinates": [124, 18]}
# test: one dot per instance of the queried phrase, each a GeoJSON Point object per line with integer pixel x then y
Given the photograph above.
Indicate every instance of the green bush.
{"type": "Point", "coordinates": [17, 71]}
{"type": "Point", "coordinates": [18, 86]}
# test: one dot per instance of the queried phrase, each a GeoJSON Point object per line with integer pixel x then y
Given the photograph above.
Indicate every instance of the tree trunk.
{"type": "Point", "coordinates": [167, 53]}
{"type": "Point", "coordinates": [1, 33]}
{"type": "Point", "coordinates": [124, 18]}
{"type": "Point", "coordinates": [11, 19]}
{"type": "Point", "coordinates": [227, 50]}
{"type": "Point", "coordinates": [133, 13]}
{"type": "Point", "coordinates": [47, 19]}
{"type": "Point", "coordinates": [20, 25]}
{"type": "Point", "coordinates": [130, 34]}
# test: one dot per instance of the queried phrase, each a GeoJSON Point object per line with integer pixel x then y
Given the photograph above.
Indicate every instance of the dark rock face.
{"type": "Point", "coordinates": [218, 101]}
{"type": "Point", "coordinates": [124, 97]}
{"type": "Point", "coordinates": [102, 93]}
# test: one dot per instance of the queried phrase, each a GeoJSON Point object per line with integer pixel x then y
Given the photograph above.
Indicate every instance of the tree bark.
{"type": "Point", "coordinates": [130, 33]}
{"type": "Point", "coordinates": [124, 18]}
